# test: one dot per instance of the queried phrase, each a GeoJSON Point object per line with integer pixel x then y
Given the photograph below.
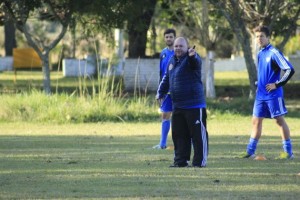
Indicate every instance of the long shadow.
{"type": "Point", "coordinates": [127, 167]}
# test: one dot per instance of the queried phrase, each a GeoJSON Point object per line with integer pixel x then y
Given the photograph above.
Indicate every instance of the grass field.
{"type": "Point", "coordinates": [47, 152]}
{"type": "Point", "coordinates": [115, 161]}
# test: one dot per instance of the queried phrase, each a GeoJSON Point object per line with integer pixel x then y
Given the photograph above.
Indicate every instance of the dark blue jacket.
{"type": "Point", "coordinates": [183, 81]}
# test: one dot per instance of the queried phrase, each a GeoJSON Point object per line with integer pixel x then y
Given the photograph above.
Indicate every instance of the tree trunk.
{"type": "Point", "coordinates": [46, 73]}
{"type": "Point", "coordinates": [137, 30]}
{"type": "Point", "coordinates": [38, 45]}
{"type": "Point", "coordinates": [238, 25]}
{"type": "Point", "coordinates": [10, 37]}
{"type": "Point", "coordinates": [137, 43]}
{"type": "Point", "coordinates": [73, 33]}
{"type": "Point", "coordinates": [210, 84]}
{"type": "Point", "coordinates": [44, 53]}
{"type": "Point", "coordinates": [250, 64]}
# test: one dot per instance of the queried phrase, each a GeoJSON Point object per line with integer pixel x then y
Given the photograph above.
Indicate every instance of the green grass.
{"type": "Point", "coordinates": [115, 161]}
{"type": "Point", "coordinates": [84, 100]}
{"type": "Point", "coordinates": [236, 84]}
{"type": "Point", "coordinates": [49, 149]}
{"type": "Point", "coordinates": [227, 84]}
{"type": "Point", "coordinates": [25, 81]}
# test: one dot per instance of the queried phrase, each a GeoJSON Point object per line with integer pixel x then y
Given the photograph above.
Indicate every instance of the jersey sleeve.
{"type": "Point", "coordinates": [163, 87]}
{"type": "Point", "coordinates": [284, 65]}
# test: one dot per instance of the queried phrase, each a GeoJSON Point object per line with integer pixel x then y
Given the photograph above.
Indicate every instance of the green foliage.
{"type": "Point", "coordinates": [292, 46]}
{"type": "Point", "coordinates": [202, 23]}
{"type": "Point", "coordinates": [230, 106]}
{"type": "Point", "coordinates": [63, 108]}
{"type": "Point", "coordinates": [84, 100]}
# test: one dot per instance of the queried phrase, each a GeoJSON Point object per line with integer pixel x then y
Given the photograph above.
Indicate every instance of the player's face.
{"type": "Point", "coordinates": [261, 39]}
{"type": "Point", "coordinates": [180, 47]}
{"type": "Point", "coordinates": [169, 39]}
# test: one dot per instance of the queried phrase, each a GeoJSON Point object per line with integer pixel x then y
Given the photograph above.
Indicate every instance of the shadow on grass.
{"type": "Point", "coordinates": [127, 167]}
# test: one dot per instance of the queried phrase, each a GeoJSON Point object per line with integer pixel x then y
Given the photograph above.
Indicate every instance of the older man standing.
{"type": "Point", "coordinates": [183, 81]}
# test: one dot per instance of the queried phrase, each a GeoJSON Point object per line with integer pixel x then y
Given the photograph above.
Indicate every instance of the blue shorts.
{"type": "Point", "coordinates": [166, 105]}
{"type": "Point", "coordinates": [269, 108]}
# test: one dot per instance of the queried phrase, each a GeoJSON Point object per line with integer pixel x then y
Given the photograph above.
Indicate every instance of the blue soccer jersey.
{"type": "Point", "coordinates": [270, 64]}
{"type": "Point", "coordinates": [165, 56]}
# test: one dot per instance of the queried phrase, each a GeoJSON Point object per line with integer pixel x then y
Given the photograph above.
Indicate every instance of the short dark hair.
{"type": "Point", "coordinates": [263, 29]}
{"type": "Point", "coordinates": [170, 30]}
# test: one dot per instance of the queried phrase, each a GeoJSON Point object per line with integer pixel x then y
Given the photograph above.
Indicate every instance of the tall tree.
{"type": "Point", "coordinates": [138, 22]}
{"type": "Point", "coordinates": [60, 11]}
{"type": "Point", "coordinates": [10, 37]}
{"type": "Point", "coordinates": [9, 32]}
{"type": "Point", "coordinates": [244, 15]}
{"type": "Point", "coordinates": [134, 16]}
{"type": "Point", "coordinates": [204, 24]}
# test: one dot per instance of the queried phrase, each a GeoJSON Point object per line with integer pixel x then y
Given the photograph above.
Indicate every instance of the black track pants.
{"type": "Point", "coordinates": [190, 125]}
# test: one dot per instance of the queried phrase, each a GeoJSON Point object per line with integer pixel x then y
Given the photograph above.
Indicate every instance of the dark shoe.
{"type": "Point", "coordinates": [179, 165]}
{"type": "Point", "coordinates": [197, 166]}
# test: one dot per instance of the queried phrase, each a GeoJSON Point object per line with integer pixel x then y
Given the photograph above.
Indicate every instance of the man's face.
{"type": "Point", "coordinates": [261, 39]}
{"type": "Point", "coordinates": [180, 47]}
{"type": "Point", "coordinates": [169, 39]}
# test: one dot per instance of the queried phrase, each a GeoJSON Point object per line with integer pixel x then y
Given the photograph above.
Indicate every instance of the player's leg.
{"type": "Point", "coordinates": [197, 127]}
{"type": "Point", "coordinates": [260, 111]}
{"type": "Point", "coordinates": [255, 135]}
{"type": "Point", "coordinates": [165, 128]}
{"type": "Point", "coordinates": [181, 139]}
{"type": "Point", "coordinates": [283, 128]}
{"type": "Point", "coordinates": [166, 110]}
{"type": "Point", "coordinates": [285, 134]}
{"type": "Point", "coordinates": [278, 110]}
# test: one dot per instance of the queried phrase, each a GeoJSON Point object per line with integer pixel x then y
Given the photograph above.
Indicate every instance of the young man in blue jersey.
{"type": "Point", "coordinates": [166, 105]}
{"type": "Point", "coordinates": [183, 81]}
{"type": "Point", "coordinates": [269, 102]}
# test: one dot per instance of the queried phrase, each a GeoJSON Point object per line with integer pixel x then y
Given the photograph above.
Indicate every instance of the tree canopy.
{"type": "Point", "coordinates": [244, 15]}
{"type": "Point", "coordinates": [135, 17]}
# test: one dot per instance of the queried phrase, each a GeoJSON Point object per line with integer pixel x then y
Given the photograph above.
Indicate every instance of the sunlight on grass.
{"type": "Point", "coordinates": [103, 129]}
{"type": "Point", "coordinates": [47, 152]}
{"type": "Point", "coordinates": [116, 161]}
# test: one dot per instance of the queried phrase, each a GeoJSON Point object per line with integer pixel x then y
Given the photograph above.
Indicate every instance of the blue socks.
{"type": "Point", "coordinates": [251, 147]}
{"type": "Point", "coordinates": [165, 127]}
{"type": "Point", "coordinates": [287, 146]}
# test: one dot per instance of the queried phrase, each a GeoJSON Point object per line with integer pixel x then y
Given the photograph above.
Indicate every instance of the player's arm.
{"type": "Point", "coordinates": [194, 58]}
{"type": "Point", "coordinates": [284, 65]}
{"type": "Point", "coordinates": [161, 56]}
{"type": "Point", "coordinates": [163, 87]}
{"type": "Point", "coordinates": [285, 78]}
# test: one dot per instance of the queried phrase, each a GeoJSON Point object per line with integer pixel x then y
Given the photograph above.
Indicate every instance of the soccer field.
{"type": "Point", "coordinates": [116, 161]}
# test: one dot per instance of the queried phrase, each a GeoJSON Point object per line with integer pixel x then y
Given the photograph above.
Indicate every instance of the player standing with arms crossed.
{"type": "Point", "coordinates": [166, 105]}
{"type": "Point", "coordinates": [269, 102]}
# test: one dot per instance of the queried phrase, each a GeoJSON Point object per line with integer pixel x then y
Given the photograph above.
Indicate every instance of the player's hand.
{"type": "Point", "coordinates": [192, 51]}
{"type": "Point", "coordinates": [270, 87]}
{"type": "Point", "coordinates": [159, 101]}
